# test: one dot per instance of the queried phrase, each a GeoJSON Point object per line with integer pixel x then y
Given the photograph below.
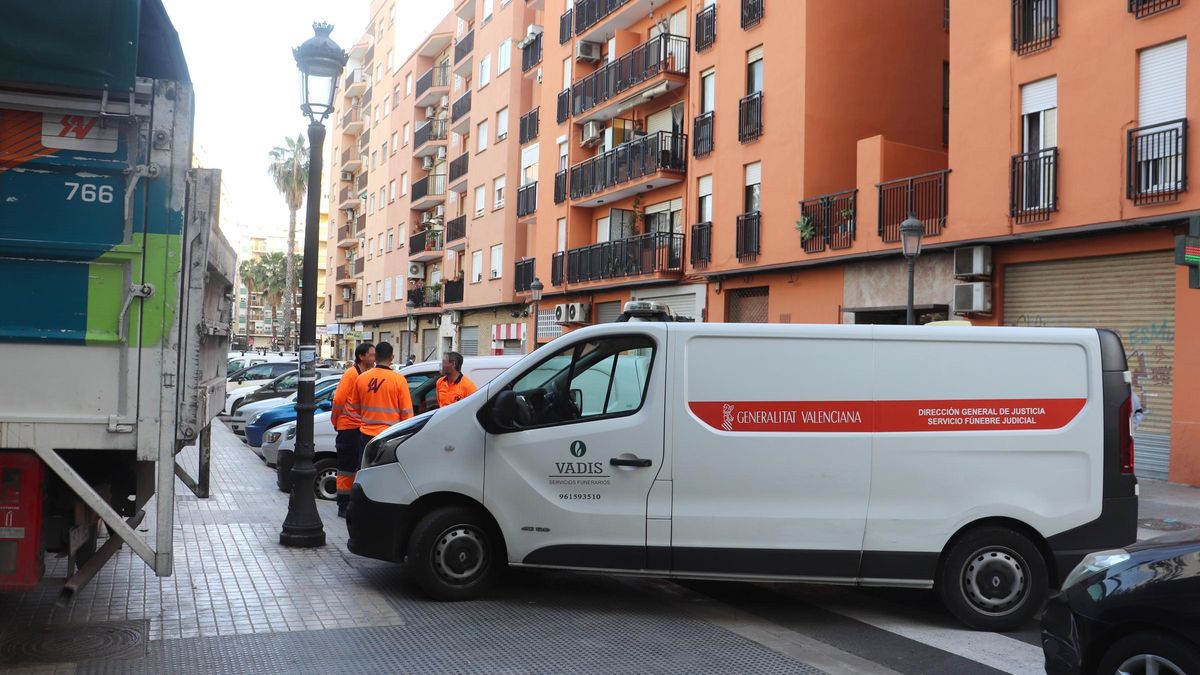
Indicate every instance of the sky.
{"type": "Point", "coordinates": [247, 87]}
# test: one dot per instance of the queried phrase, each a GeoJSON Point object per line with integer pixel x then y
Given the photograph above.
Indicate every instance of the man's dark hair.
{"type": "Point", "coordinates": [383, 351]}
{"type": "Point", "coordinates": [456, 359]}
{"type": "Point", "coordinates": [361, 350]}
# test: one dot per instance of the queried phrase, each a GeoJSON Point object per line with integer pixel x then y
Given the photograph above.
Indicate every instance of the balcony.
{"type": "Point", "coordinates": [828, 221]}
{"type": "Point", "coordinates": [425, 245]}
{"type": "Point", "coordinates": [605, 15]}
{"type": "Point", "coordinates": [924, 195]}
{"type": "Point", "coordinates": [340, 312]}
{"type": "Point", "coordinates": [351, 159]}
{"type": "Point", "coordinates": [1033, 186]}
{"type": "Point", "coordinates": [527, 199]}
{"type": "Point", "coordinates": [358, 266]}
{"type": "Point", "coordinates": [557, 262]}
{"type": "Point", "coordinates": [566, 26]}
{"type": "Point", "coordinates": [1144, 8]}
{"type": "Point", "coordinates": [464, 46]}
{"type": "Point", "coordinates": [345, 274]}
{"type": "Point", "coordinates": [650, 253]}
{"type": "Point", "coordinates": [456, 233]}
{"type": "Point", "coordinates": [750, 117]}
{"type": "Point", "coordinates": [347, 236]}
{"type": "Point", "coordinates": [460, 121]}
{"type": "Point", "coordinates": [531, 54]}
{"type": "Point", "coordinates": [1157, 170]}
{"type": "Point", "coordinates": [702, 134]}
{"type": "Point", "coordinates": [366, 98]}
{"type": "Point", "coordinates": [364, 141]}
{"type": "Point", "coordinates": [752, 13]}
{"type": "Point", "coordinates": [433, 84]}
{"type": "Point", "coordinates": [706, 28]}
{"type": "Point", "coordinates": [452, 291]}
{"type": "Point", "coordinates": [430, 137]}
{"type": "Point", "coordinates": [529, 126]}
{"type": "Point", "coordinates": [749, 241]}
{"type": "Point", "coordinates": [523, 276]}
{"type": "Point", "coordinates": [356, 309]}
{"type": "Point", "coordinates": [1034, 25]}
{"type": "Point", "coordinates": [458, 172]}
{"type": "Point", "coordinates": [701, 253]}
{"type": "Point", "coordinates": [425, 297]}
{"type": "Point", "coordinates": [360, 182]}
{"type": "Point", "coordinates": [560, 187]}
{"type": "Point", "coordinates": [564, 106]}
{"type": "Point", "coordinates": [355, 83]}
{"type": "Point", "coordinates": [352, 121]}
{"type": "Point", "coordinates": [429, 192]}
{"type": "Point", "coordinates": [348, 199]}
{"type": "Point", "coordinates": [369, 57]}
{"type": "Point", "coordinates": [646, 163]}
{"type": "Point", "coordinates": [595, 97]}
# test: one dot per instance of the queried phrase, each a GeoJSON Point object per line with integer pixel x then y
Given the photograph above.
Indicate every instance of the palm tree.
{"type": "Point", "coordinates": [250, 273]}
{"type": "Point", "coordinates": [272, 283]}
{"type": "Point", "coordinates": [289, 170]}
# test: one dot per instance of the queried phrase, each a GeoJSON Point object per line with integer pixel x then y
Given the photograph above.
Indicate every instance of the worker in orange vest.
{"type": "Point", "coordinates": [346, 421]}
{"type": "Point", "coordinates": [381, 397]}
{"type": "Point", "coordinates": [453, 386]}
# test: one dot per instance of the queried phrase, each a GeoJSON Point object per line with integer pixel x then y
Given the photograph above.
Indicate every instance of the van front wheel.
{"type": "Point", "coordinates": [994, 579]}
{"type": "Point", "coordinates": [454, 554]}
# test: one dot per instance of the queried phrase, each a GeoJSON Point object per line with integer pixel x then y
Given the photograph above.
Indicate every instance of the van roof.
{"type": "Point", "coordinates": [965, 333]}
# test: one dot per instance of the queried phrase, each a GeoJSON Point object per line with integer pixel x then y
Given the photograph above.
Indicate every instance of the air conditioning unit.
{"type": "Point", "coordinates": [972, 262]}
{"type": "Point", "coordinates": [346, 294]}
{"type": "Point", "coordinates": [444, 102]}
{"type": "Point", "coordinates": [538, 74]}
{"type": "Point", "coordinates": [560, 313]}
{"type": "Point", "coordinates": [439, 211]}
{"type": "Point", "coordinates": [427, 162]}
{"type": "Point", "coordinates": [587, 51]}
{"type": "Point", "coordinates": [533, 31]}
{"type": "Point", "coordinates": [579, 312]}
{"type": "Point", "coordinates": [416, 270]}
{"type": "Point", "coordinates": [347, 176]}
{"type": "Point", "coordinates": [593, 133]}
{"type": "Point", "coordinates": [441, 152]}
{"type": "Point", "coordinates": [973, 298]}
{"type": "Point", "coordinates": [430, 111]}
{"type": "Point", "coordinates": [456, 317]}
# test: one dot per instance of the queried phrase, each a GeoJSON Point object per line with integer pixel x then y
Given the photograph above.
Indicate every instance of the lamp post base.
{"type": "Point", "coordinates": [302, 528]}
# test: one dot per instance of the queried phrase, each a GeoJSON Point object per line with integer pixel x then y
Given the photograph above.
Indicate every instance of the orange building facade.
{"type": "Point", "coordinates": [752, 160]}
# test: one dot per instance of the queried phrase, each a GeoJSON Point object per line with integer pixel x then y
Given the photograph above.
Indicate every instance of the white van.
{"type": "Point", "coordinates": [982, 462]}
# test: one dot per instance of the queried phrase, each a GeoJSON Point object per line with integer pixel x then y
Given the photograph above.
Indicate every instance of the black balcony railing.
{"type": "Point", "coordinates": [366, 98]}
{"type": "Point", "coordinates": [433, 185]}
{"type": "Point", "coordinates": [526, 199]}
{"type": "Point", "coordinates": [566, 26]}
{"type": "Point", "coordinates": [588, 13]}
{"type": "Point", "coordinates": [924, 195]}
{"type": "Point", "coordinates": [354, 77]}
{"type": "Point", "coordinates": [660, 151]}
{"type": "Point", "coordinates": [701, 253]}
{"type": "Point", "coordinates": [748, 244]}
{"type": "Point", "coordinates": [556, 268]}
{"type": "Point", "coordinates": [422, 296]}
{"type": "Point", "coordinates": [343, 272]}
{"type": "Point", "coordinates": [356, 308]}
{"type": "Point", "coordinates": [706, 28]}
{"type": "Point", "coordinates": [437, 76]}
{"type": "Point", "coordinates": [352, 115]}
{"type": "Point", "coordinates": [750, 117]}
{"type": "Point", "coordinates": [1033, 186]}
{"type": "Point", "coordinates": [347, 155]}
{"type": "Point", "coordinates": [564, 106]}
{"type": "Point", "coordinates": [459, 165]}
{"type": "Point", "coordinates": [462, 48]}
{"type": "Point", "coordinates": [452, 291]}
{"type": "Point", "coordinates": [457, 228]}
{"type": "Point", "coordinates": [339, 312]}
{"type": "Point", "coordinates": [364, 139]}
{"type": "Point", "coordinates": [560, 187]}
{"type": "Point", "coordinates": [1157, 170]}
{"type": "Point", "coordinates": [425, 241]}
{"type": "Point", "coordinates": [460, 107]}
{"type": "Point", "coordinates": [360, 182]}
{"type": "Point", "coordinates": [662, 53]}
{"type": "Point", "coordinates": [648, 253]}
{"type": "Point", "coordinates": [529, 126]}
{"type": "Point", "coordinates": [1144, 8]}
{"type": "Point", "coordinates": [433, 130]}
{"type": "Point", "coordinates": [360, 224]}
{"type": "Point", "coordinates": [752, 13]}
{"type": "Point", "coordinates": [370, 55]}
{"type": "Point", "coordinates": [828, 221]}
{"type": "Point", "coordinates": [346, 195]}
{"type": "Point", "coordinates": [702, 134]}
{"type": "Point", "coordinates": [358, 266]}
{"type": "Point", "coordinates": [531, 54]}
{"type": "Point", "coordinates": [1034, 25]}
{"type": "Point", "coordinates": [523, 277]}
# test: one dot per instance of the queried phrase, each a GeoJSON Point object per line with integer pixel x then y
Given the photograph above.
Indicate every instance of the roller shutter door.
{"type": "Point", "coordinates": [468, 342]}
{"type": "Point", "coordinates": [1132, 294]}
{"type": "Point", "coordinates": [607, 312]}
{"type": "Point", "coordinates": [429, 345]}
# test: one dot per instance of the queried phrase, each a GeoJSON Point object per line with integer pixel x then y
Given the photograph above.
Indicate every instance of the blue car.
{"type": "Point", "coordinates": [282, 414]}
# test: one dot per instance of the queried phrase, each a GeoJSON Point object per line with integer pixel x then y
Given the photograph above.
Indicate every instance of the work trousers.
{"type": "Point", "coordinates": [349, 445]}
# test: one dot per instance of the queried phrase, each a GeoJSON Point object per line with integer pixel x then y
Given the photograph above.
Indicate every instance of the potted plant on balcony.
{"type": "Point", "coordinates": [806, 227]}
{"type": "Point", "coordinates": [847, 215]}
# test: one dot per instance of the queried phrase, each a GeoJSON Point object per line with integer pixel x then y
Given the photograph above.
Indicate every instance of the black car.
{"type": "Point", "coordinates": [1132, 610]}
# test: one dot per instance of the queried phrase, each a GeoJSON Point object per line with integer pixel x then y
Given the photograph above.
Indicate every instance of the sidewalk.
{"type": "Point", "coordinates": [1166, 507]}
{"type": "Point", "coordinates": [240, 602]}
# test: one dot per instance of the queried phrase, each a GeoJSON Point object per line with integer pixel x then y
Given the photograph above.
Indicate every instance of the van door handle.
{"type": "Point", "coordinates": [641, 463]}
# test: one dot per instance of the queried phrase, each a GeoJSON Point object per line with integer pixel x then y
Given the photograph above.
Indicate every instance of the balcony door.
{"type": "Point", "coordinates": [1039, 132]}
{"type": "Point", "coordinates": [1162, 107]}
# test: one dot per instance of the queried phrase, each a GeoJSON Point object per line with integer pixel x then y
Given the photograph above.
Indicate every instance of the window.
{"type": "Point", "coordinates": [376, 109]}
{"type": "Point", "coordinates": [387, 105]}
{"type": "Point", "coordinates": [371, 204]}
{"type": "Point", "coordinates": [501, 124]}
{"type": "Point", "coordinates": [708, 91]}
{"type": "Point", "coordinates": [378, 291]}
{"type": "Point", "coordinates": [391, 60]}
{"type": "Point", "coordinates": [1158, 146]}
{"type": "Point", "coordinates": [381, 245]}
{"type": "Point", "coordinates": [394, 143]}
{"type": "Point", "coordinates": [387, 289]}
{"type": "Point", "coordinates": [480, 197]}
{"type": "Point", "coordinates": [599, 378]}
{"type": "Point", "coordinates": [704, 207]}
{"type": "Point", "coordinates": [504, 56]}
{"type": "Point", "coordinates": [562, 235]}
{"type": "Point", "coordinates": [390, 240]}
{"type": "Point", "coordinates": [374, 159]}
{"type": "Point", "coordinates": [487, 10]}
{"type": "Point", "coordinates": [368, 294]}
{"type": "Point", "coordinates": [754, 70]}
{"type": "Point", "coordinates": [403, 183]}
{"type": "Point", "coordinates": [476, 266]}
{"type": "Point", "coordinates": [481, 136]}
{"type": "Point", "coordinates": [562, 156]}
{"type": "Point", "coordinates": [945, 103]}
{"type": "Point", "coordinates": [382, 197]}
{"type": "Point", "coordinates": [497, 261]}
{"type": "Point", "coordinates": [408, 84]}
{"type": "Point", "coordinates": [378, 73]}
{"type": "Point", "coordinates": [485, 70]}
{"type": "Point", "coordinates": [392, 191]}
{"type": "Point", "coordinates": [399, 287]}
{"type": "Point", "coordinates": [753, 195]}
{"type": "Point", "coordinates": [407, 133]}
{"type": "Point", "coordinates": [498, 192]}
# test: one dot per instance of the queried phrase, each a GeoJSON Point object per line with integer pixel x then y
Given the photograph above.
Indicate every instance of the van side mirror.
{"type": "Point", "coordinates": [577, 398]}
{"type": "Point", "coordinates": [504, 410]}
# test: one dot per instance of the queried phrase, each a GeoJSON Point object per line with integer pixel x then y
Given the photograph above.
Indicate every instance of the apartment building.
{"type": "Point", "coordinates": [254, 316]}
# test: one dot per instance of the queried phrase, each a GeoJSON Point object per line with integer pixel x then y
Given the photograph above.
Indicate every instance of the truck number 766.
{"type": "Point", "coordinates": [89, 192]}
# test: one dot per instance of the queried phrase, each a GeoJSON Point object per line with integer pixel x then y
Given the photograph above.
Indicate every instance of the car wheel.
{"type": "Point", "coordinates": [993, 579]}
{"type": "Point", "coordinates": [233, 407]}
{"type": "Point", "coordinates": [1150, 652]}
{"type": "Point", "coordinates": [326, 485]}
{"type": "Point", "coordinates": [455, 554]}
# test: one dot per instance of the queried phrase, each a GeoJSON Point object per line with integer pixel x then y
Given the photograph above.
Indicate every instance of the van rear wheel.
{"type": "Point", "coordinates": [454, 554]}
{"type": "Point", "coordinates": [993, 579]}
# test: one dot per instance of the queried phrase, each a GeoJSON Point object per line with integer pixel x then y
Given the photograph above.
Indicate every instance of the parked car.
{"type": "Point", "coordinates": [284, 413]}
{"type": "Point", "coordinates": [248, 380]}
{"type": "Point", "coordinates": [242, 361]}
{"type": "Point", "coordinates": [237, 421]}
{"type": "Point", "coordinates": [284, 385]}
{"type": "Point", "coordinates": [1132, 610]}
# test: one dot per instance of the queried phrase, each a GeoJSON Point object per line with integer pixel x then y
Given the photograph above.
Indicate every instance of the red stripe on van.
{"type": "Point", "coordinates": [888, 416]}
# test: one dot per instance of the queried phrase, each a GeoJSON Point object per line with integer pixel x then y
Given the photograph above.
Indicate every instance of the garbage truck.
{"type": "Point", "coordinates": [116, 289]}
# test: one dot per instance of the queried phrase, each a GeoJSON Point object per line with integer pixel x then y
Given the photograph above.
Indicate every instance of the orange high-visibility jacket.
{"type": "Point", "coordinates": [343, 416]}
{"type": "Point", "coordinates": [452, 391]}
{"type": "Point", "coordinates": [381, 398]}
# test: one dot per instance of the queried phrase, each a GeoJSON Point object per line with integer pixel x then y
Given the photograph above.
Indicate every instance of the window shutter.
{"type": "Point", "coordinates": [755, 54]}
{"type": "Point", "coordinates": [706, 186]}
{"type": "Point", "coordinates": [1162, 84]}
{"type": "Point", "coordinates": [1039, 96]}
{"type": "Point", "coordinates": [753, 174]}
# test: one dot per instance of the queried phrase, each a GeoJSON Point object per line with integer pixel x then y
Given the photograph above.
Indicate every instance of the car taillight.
{"type": "Point", "coordinates": [1125, 435]}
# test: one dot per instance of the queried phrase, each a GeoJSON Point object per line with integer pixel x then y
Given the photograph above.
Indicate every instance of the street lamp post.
{"type": "Point", "coordinates": [911, 232]}
{"type": "Point", "coordinates": [321, 61]}
{"type": "Point", "coordinates": [412, 325]}
{"type": "Point", "coordinates": [535, 294]}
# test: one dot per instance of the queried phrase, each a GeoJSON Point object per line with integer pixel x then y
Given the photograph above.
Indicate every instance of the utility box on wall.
{"type": "Point", "coordinates": [20, 520]}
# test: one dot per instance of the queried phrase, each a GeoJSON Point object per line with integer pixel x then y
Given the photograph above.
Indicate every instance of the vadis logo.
{"type": "Point", "coordinates": [579, 468]}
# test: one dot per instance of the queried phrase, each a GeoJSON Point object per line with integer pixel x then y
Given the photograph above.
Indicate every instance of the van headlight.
{"type": "Point", "coordinates": [1093, 563]}
{"type": "Point", "coordinates": [382, 448]}
{"type": "Point", "coordinates": [272, 437]}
